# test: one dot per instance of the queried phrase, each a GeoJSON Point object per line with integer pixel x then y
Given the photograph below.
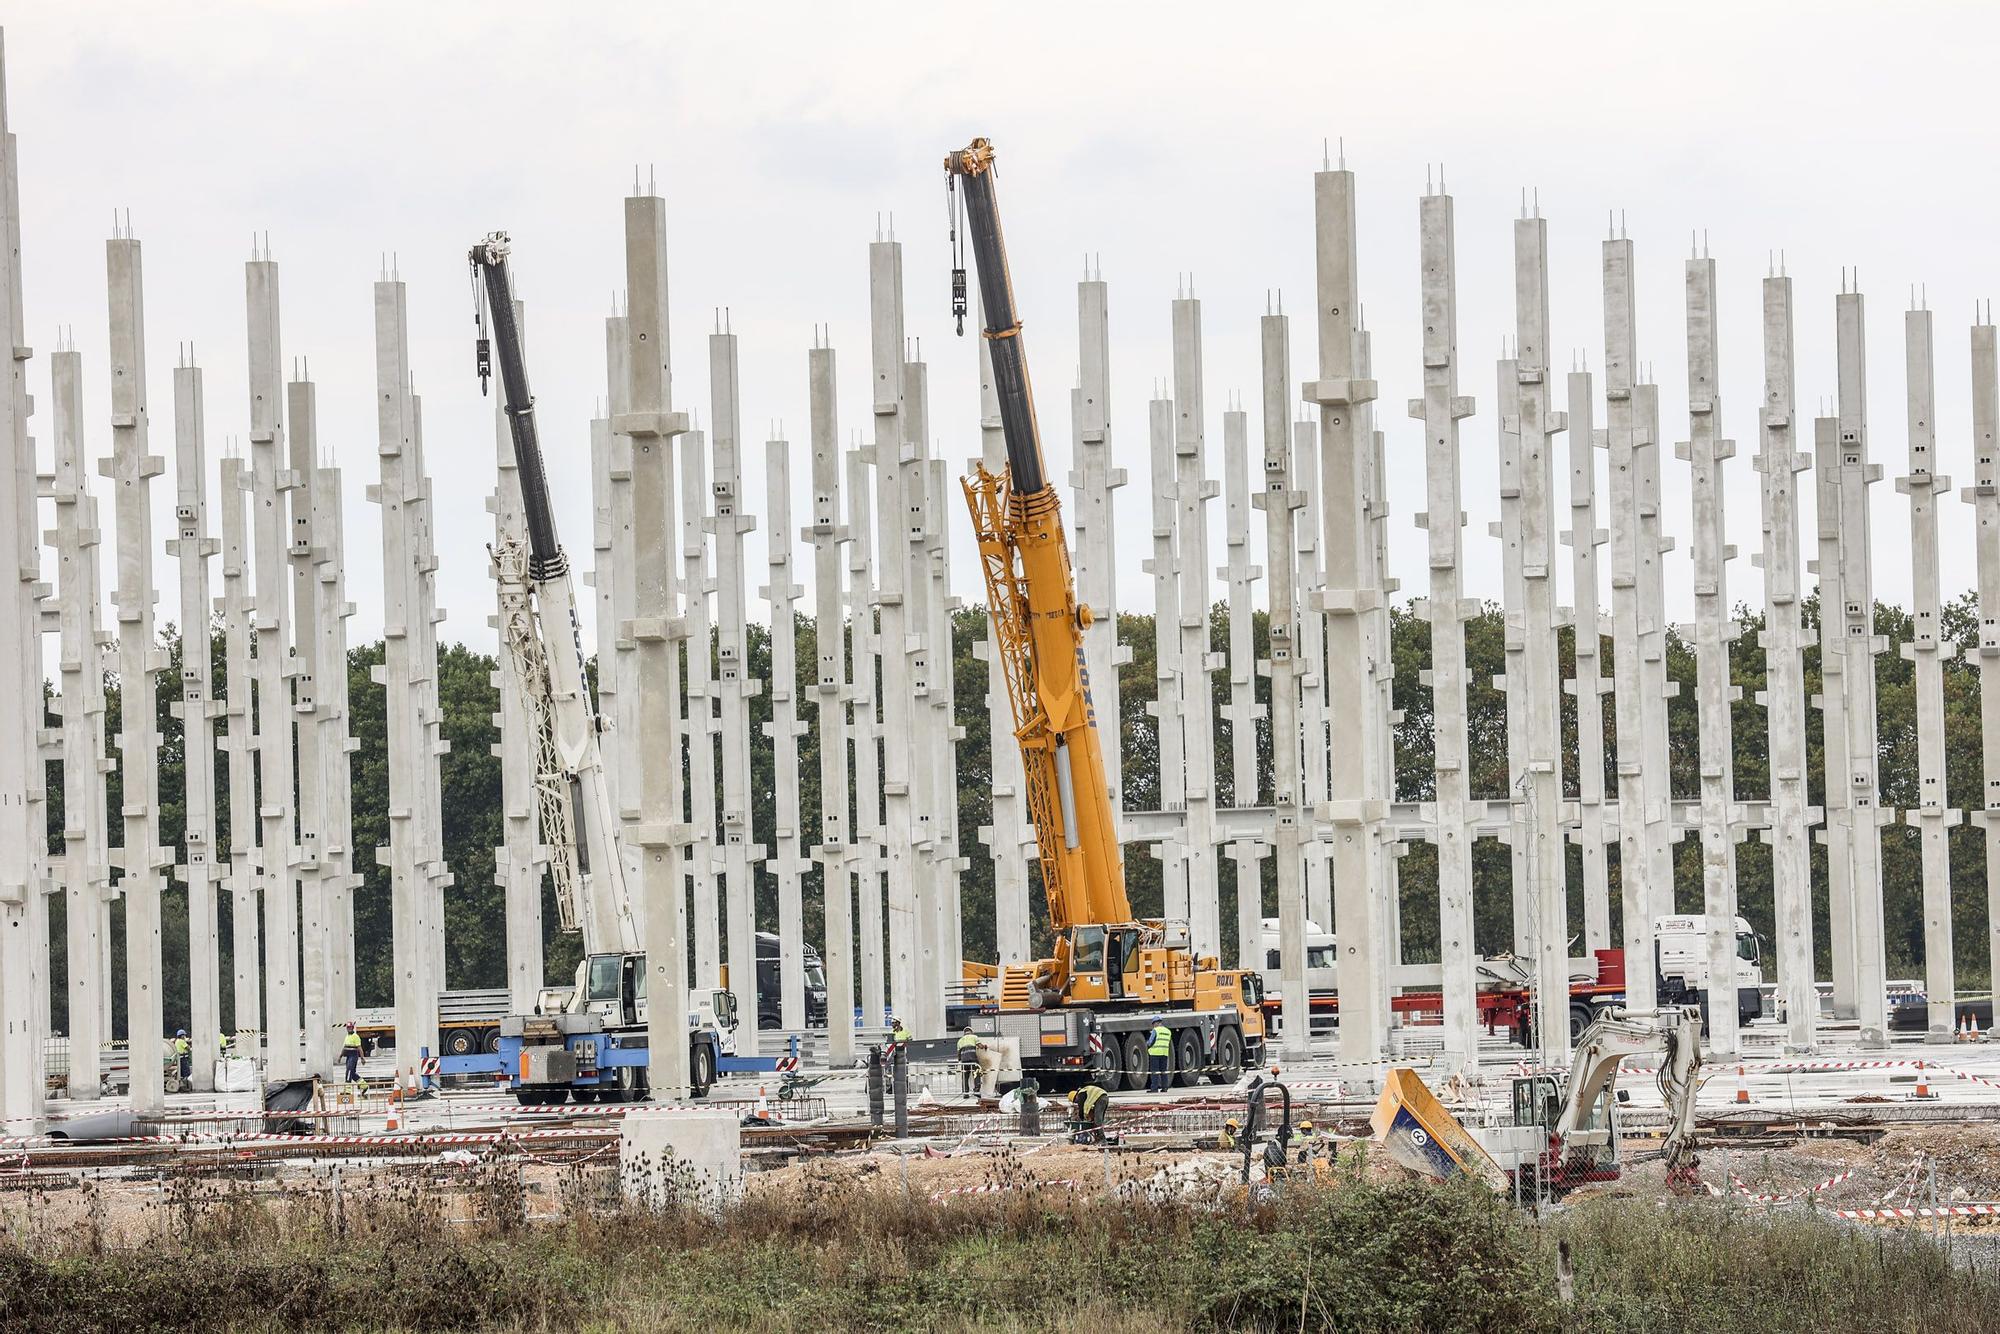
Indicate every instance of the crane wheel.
{"type": "Point", "coordinates": [1133, 1048]}
{"type": "Point", "coordinates": [1228, 1057]}
{"type": "Point", "coordinates": [1187, 1058]}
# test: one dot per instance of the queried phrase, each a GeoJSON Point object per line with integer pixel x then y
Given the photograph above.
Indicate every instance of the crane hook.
{"type": "Point", "coordinates": [951, 216]}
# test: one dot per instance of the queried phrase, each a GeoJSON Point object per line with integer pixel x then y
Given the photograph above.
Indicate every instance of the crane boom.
{"type": "Point", "coordinates": [1037, 622]}
{"type": "Point", "coordinates": [573, 798]}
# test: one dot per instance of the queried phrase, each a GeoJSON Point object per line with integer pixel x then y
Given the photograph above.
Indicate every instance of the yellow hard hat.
{"type": "Point", "coordinates": [1305, 1125]}
{"type": "Point", "coordinates": [1232, 1121]}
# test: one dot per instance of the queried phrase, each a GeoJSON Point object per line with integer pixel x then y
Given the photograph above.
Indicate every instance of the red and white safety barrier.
{"type": "Point", "coordinates": [1943, 1211]}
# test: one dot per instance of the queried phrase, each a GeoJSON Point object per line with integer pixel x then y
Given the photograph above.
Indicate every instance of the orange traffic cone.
{"type": "Point", "coordinates": [1923, 1089]}
{"type": "Point", "coordinates": [395, 1121]}
{"type": "Point", "coordinates": [1972, 1025]}
{"type": "Point", "coordinates": [1742, 1088]}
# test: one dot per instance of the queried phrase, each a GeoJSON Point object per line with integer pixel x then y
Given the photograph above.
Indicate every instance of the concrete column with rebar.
{"type": "Point", "coordinates": [790, 864]}
{"type": "Point", "coordinates": [831, 696]}
{"type": "Point", "coordinates": [1984, 496]}
{"type": "Point", "coordinates": [1589, 685]}
{"type": "Point", "coordinates": [1198, 660]}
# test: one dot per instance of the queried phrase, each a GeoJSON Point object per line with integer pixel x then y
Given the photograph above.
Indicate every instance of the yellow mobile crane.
{"type": "Point", "coordinates": [1091, 1010]}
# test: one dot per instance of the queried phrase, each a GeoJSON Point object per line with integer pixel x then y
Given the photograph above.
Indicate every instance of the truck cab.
{"type": "Point", "coordinates": [593, 1044]}
{"type": "Point", "coordinates": [1681, 944]}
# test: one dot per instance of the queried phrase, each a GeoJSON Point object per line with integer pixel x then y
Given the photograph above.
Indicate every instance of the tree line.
{"type": "Point", "coordinates": [474, 907]}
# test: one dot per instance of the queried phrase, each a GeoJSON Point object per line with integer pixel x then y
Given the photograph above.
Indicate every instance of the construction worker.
{"type": "Point", "coordinates": [1089, 1106]}
{"type": "Point", "coordinates": [1307, 1141]}
{"type": "Point", "coordinates": [968, 1061]}
{"type": "Point", "coordinates": [350, 1052]}
{"type": "Point", "coordinates": [223, 1042]}
{"type": "Point", "coordinates": [1230, 1130]}
{"type": "Point", "coordinates": [184, 1054]}
{"type": "Point", "coordinates": [1158, 1053]}
{"type": "Point", "coordinates": [899, 1036]}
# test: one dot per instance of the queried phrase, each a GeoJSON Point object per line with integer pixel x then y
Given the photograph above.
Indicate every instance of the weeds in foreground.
{"type": "Point", "coordinates": [424, 1249]}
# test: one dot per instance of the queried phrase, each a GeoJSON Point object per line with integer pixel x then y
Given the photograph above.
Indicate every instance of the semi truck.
{"type": "Point", "coordinates": [1087, 1011]}
{"type": "Point", "coordinates": [468, 1022]}
{"type": "Point", "coordinates": [1596, 984]}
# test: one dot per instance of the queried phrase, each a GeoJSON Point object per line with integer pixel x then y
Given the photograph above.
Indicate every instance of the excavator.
{"type": "Point", "coordinates": [1560, 1130]}
{"type": "Point", "coordinates": [1088, 1011]}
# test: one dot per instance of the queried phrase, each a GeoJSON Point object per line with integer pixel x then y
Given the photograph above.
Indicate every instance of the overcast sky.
{"type": "Point", "coordinates": [1168, 139]}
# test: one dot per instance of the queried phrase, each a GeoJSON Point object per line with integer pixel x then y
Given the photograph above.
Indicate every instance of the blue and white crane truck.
{"type": "Point", "coordinates": [588, 1044]}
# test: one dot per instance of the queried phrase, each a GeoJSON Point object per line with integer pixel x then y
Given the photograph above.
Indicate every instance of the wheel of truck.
{"type": "Point", "coordinates": [491, 1042]}
{"type": "Point", "coordinates": [1133, 1055]}
{"type": "Point", "coordinates": [528, 1097]}
{"type": "Point", "coordinates": [1228, 1057]}
{"type": "Point", "coordinates": [1188, 1059]}
{"type": "Point", "coordinates": [627, 1087]}
{"type": "Point", "coordinates": [1579, 1019]}
{"type": "Point", "coordinates": [460, 1042]}
{"type": "Point", "coordinates": [1106, 1067]}
{"type": "Point", "coordinates": [701, 1071]}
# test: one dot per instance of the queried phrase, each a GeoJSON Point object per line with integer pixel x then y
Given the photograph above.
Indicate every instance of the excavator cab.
{"type": "Point", "coordinates": [1537, 1101]}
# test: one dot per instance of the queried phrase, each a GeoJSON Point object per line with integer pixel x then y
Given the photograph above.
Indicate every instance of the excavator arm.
{"type": "Point", "coordinates": [1037, 622]}
{"type": "Point", "coordinates": [1675, 1033]}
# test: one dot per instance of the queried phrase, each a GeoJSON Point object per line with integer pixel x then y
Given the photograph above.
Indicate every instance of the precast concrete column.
{"type": "Point", "coordinates": [272, 480]}
{"type": "Point", "coordinates": [239, 750]}
{"type": "Point", "coordinates": [1167, 705]}
{"type": "Point", "coordinates": [1832, 703]}
{"type": "Point", "coordinates": [337, 786]}
{"type": "Point", "coordinates": [319, 732]}
{"type": "Point", "coordinates": [1353, 809]}
{"type": "Point", "coordinates": [790, 865]}
{"type": "Point", "coordinates": [431, 746]}
{"type": "Point", "coordinates": [141, 859]}
{"type": "Point", "coordinates": [23, 818]}
{"type": "Point", "coordinates": [1281, 501]}
{"type": "Point", "coordinates": [1984, 496]}
{"type": "Point", "coordinates": [1008, 838]}
{"type": "Point", "coordinates": [1445, 609]}
{"type": "Point", "coordinates": [85, 864]}
{"type": "Point", "coordinates": [1095, 479]}
{"type": "Point", "coordinates": [1654, 544]}
{"type": "Point", "coordinates": [1192, 492]}
{"type": "Point", "coordinates": [521, 858]}
{"type": "Point", "coordinates": [703, 865]}
{"type": "Point", "coordinates": [623, 762]}
{"type": "Point", "coordinates": [1243, 711]}
{"type": "Point", "coordinates": [1540, 787]}
{"type": "Point", "coordinates": [1705, 450]}
{"type": "Point", "coordinates": [947, 866]}
{"type": "Point", "coordinates": [1513, 597]}
{"type": "Point", "coordinates": [1929, 651]}
{"type": "Point", "coordinates": [1636, 815]}
{"type": "Point", "coordinates": [192, 546]}
{"type": "Point", "coordinates": [1589, 685]}
{"type": "Point", "coordinates": [865, 640]}
{"type": "Point", "coordinates": [735, 687]}
{"type": "Point", "coordinates": [398, 490]}
{"type": "Point", "coordinates": [898, 717]}
{"type": "Point", "coordinates": [1311, 652]}
{"type": "Point", "coordinates": [831, 694]}
{"type": "Point", "coordinates": [659, 832]}
{"type": "Point", "coordinates": [1859, 645]}
{"type": "Point", "coordinates": [1389, 847]}
{"type": "Point", "coordinates": [933, 808]}
{"type": "Point", "coordinates": [1783, 696]}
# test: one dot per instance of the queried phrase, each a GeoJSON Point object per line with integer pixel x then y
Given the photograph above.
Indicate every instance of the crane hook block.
{"type": "Point", "coordinates": [958, 299]}
{"type": "Point", "coordinates": [483, 350]}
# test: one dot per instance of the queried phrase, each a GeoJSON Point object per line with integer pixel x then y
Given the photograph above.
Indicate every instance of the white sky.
{"type": "Point", "coordinates": [1169, 139]}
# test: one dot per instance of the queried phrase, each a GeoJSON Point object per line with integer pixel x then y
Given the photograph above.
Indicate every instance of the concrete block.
{"type": "Point", "coordinates": [673, 1156]}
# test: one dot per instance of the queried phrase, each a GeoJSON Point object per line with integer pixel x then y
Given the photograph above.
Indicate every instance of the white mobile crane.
{"type": "Point", "coordinates": [589, 1042]}
{"type": "Point", "coordinates": [539, 631]}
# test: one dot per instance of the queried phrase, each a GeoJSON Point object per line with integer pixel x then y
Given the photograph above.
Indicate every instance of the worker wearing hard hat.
{"type": "Point", "coordinates": [1089, 1106]}
{"type": "Point", "coordinates": [1159, 1052]}
{"type": "Point", "coordinates": [968, 1061]}
{"type": "Point", "coordinates": [1307, 1140]}
{"type": "Point", "coordinates": [1230, 1130]}
{"type": "Point", "coordinates": [183, 1054]}
{"type": "Point", "coordinates": [350, 1052]}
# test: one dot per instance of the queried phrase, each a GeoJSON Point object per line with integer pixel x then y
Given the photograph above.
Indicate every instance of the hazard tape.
{"type": "Point", "coordinates": [1943, 1211]}
{"type": "Point", "coordinates": [1743, 1189]}
{"type": "Point", "coordinates": [422, 1139]}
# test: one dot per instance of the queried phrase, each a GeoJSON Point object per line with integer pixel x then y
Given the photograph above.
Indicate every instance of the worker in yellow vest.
{"type": "Point", "coordinates": [350, 1052]}
{"type": "Point", "coordinates": [1158, 1054]}
{"type": "Point", "coordinates": [968, 1061]}
{"type": "Point", "coordinates": [1089, 1108]}
{"type": "Point", "coordinates": [183, 1055]}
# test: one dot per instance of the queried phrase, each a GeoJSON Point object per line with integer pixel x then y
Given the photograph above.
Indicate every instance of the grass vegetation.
{"type": "Point", "coordinates": [1349, 1256]}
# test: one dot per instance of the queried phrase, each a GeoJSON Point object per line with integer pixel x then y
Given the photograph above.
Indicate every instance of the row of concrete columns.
{"type": "Point", "coordinates": [890, 868]}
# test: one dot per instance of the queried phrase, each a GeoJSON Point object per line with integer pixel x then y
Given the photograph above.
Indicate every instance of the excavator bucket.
{"type": "Point", "coordinates": [1420, 1134]}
